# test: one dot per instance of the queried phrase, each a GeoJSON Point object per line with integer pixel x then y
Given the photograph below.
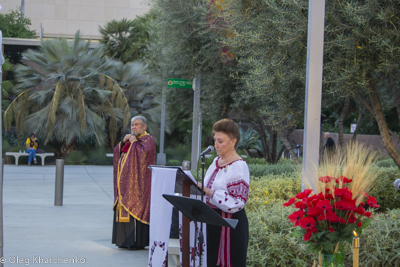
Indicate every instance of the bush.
{"type": "Point", "coordinates": [271, 188]}
{"type": "Point", "coordinates": [98, 157]}
{"type": "Point", "coordinates": [255, 160]}
{"type": "Point", "coordinates": [281, 168]}
{"type": "Point", "coordinates": [76, 158]}
{"type": "Point", "coordinates": [174, 162]}
{"type": "Point", "coordinates": [271, 241]}
{"type": "Point", "coordinates": [387, 197]}
{"type": "Point", "coordinates": [388, 162]}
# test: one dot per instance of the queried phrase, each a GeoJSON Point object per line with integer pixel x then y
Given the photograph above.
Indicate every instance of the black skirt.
{"type": "Point", "coordinates": [239, 241]}
{"type": "Point", "coordinates": [126, 235]}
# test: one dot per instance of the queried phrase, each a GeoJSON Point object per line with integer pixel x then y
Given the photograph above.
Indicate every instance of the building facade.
{"type": "Point", "coordinates": [63, 18]}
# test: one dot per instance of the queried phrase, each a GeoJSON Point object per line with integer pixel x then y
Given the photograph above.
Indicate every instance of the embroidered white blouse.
{"type": "Point", "coordinates": [230, 185]}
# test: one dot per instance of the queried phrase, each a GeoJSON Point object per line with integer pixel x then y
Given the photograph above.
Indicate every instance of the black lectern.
{"type": "Point", "coordinates": [197, 211]}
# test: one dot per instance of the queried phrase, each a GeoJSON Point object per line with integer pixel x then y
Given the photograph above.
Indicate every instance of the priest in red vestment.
{"type": "Point", "coordinates": [132, 186]}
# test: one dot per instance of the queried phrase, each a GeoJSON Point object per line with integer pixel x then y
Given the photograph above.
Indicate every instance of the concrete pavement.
{"type": "Point", "coordinates": [39, 234]}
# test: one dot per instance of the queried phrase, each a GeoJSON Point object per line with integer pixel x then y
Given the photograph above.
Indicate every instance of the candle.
{"type": "Point", "coordinates": [356, 248]}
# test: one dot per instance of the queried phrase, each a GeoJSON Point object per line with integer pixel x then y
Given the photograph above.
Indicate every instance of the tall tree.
{"type": "Point", "coordinates": [184, 43]}
{"type": "Point", "coordinates": [67, 93]}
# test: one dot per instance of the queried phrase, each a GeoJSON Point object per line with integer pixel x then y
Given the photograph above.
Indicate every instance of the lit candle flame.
{"type": "Point", "coordinates": [355, 233]}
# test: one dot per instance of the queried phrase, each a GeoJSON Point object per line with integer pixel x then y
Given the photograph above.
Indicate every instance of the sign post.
{"type": "Point", "coordinates": [196, 131]}
{"type": "Point", "coordinates": [180, 83]}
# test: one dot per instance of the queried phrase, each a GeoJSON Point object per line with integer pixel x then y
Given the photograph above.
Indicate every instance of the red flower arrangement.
{"type": "Point", "coordinates": [329, 217]}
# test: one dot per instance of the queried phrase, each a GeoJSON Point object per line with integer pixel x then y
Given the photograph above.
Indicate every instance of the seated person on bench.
{"type": "Point", "coordinates": [31, 147]}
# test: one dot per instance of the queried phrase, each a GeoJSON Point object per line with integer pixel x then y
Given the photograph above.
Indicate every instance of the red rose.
{"type": "Point", "coordinates": [304, 194]}
{"type": "Point", "coordinates": [313, 211]}
{"type": "Point", "coordinates": [352, 218]}
{"type": "Point", "coordinates": [359, 224]}
{"type": "Point", "coordinates": [359, 210]}
{"type": "Point", "coordinates": [307, 222]}
{"type": "Point", "coordinates": [368, 214]}
{"type": "Point", "coordinates": [339, 192]}
{"type": "Point", "coordinates": [372, 202]}
{"type": "Point", "coordinates": [345, 205]}
{"type": "Point", "coordinates": [307, 235]}
{"type": "Point", "coordinates": [332, 217]}
{"type": "Point", "coordinates": [343, 179]}
{"type": "Point", "coordinates": [290, 202]}
{"type": "Point", "coordinates": [342, 221]}
{"type": "Point", "coordinates": [296, 216]}
{"type": "Point", "coordinates": [325, 179]}
{"type": "Point", "coordinates": [324, 204]}
{"type": "Point", "coordinates": [331, 229]}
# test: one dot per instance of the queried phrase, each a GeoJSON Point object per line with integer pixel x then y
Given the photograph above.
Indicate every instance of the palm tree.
{"type": "Point", "coordinates": [124, 39]}
{"type": "Point", "coordinates": [66, 93]}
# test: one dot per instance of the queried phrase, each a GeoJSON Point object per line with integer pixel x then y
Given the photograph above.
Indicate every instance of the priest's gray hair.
{"type": "Point", "coordinates": [143, 119]}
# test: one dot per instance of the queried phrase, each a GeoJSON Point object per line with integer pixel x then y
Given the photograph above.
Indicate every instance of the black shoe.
{"type": "Point", "coordinates": [29, 164]}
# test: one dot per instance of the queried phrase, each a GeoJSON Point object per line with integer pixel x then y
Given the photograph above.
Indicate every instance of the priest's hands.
{"type": "Point", "coordinates": [129, 137]}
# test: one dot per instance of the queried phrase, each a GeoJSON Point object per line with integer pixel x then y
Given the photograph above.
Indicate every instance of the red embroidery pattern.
{"type": "Point", "coordinates": [220, 167]}
{"type": "Point", "coordinates": [209, 185]}
{"type": "Point", "coordinates": [239, 190]}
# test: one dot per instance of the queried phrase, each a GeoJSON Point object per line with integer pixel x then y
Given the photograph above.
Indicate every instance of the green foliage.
{"type": "Point", "coordinates": [125, 39]}
{"type": "Point", "coordinates": [250, 139]}
{"type": "Point", "coordinates": [273, 243]}
{"type": "Point", "coordinates": [283, 167]}
{"type": "Point", "coordinates": [174, 162]}
{"type": "Point", "coordinates": [98, 157]}
{"type": "Point", "coordinates": [76, 158]}
{"type": "Point", "coordinates": [385, 163]}
{"type": "Point", "coordinates": [179, 152]}
{"type": "Point", "coordinates": [11, 25]}
{"type": "Point", "coordinates": [387, 197]}
{"type": "Point", "coordinates": [271, 240]}
{"type": "Point", "coordinates": [67, 93]}
{"type": "Point", "coordinates": [141, 96]}
{"type": "Point", "coordinates": [271, 188]}
{"type": "Point", "coordinates": [250, 160]}
{"type": "Point", "coordinates": [184, 42]}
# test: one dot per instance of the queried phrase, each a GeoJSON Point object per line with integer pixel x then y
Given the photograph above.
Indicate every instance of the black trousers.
{"type": "Point", "coordinates": [239, 241]}
{"type": "Point", "coordinates": [126, 235]}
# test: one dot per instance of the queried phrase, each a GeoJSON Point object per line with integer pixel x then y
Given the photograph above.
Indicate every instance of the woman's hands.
{"type": "Point", "coordinates": [207, 191]}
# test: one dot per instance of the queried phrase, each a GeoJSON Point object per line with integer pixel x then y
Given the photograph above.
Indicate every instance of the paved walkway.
{"type": "Point", "coordinates": [77, 233]}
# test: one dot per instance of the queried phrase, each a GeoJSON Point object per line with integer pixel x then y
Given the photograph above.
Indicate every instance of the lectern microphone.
{"type": "Point", "coordinates": [208, 150]}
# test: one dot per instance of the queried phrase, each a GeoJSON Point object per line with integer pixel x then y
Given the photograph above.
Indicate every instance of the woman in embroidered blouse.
{"type": "Point", "coordinates": [227, 190]}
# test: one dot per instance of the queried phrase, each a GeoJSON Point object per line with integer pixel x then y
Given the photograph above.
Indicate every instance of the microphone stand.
{"type": "Point", "coordinates": [201, 236]}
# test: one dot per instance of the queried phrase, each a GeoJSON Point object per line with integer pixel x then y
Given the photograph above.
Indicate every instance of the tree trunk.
{"type": "Point", "coordinates": [383, 129]}
{"type": "Point", "coordinates": [274, 143]}
{"type": "Point", "coordinates": [68, 148]}
{"type": "Point", "coordinates": [395, 95]}
{"type": "Point", "coordinates": [359, 121]}
{"type": "Point", "coordinates": [341, 119]}
{"type": "Point", "coordinates": [259, 126]}
{"type": "Point", "coordinates": [321, 144]}
{"type": "Point", "coordinates": [286, 143]}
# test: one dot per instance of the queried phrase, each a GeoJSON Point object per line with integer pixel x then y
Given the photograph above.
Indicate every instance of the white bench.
{"type": "Point", "coordinates": [17, 155]}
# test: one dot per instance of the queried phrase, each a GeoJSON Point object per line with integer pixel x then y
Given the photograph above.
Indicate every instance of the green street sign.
{"type": "Point", "coordinates": [180, 83]}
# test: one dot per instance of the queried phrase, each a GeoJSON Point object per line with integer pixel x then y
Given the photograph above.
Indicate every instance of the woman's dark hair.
{"type": "Point", "coordinates": [31, 134]}
{"type": "Point", "coordinates": [229, 127]}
